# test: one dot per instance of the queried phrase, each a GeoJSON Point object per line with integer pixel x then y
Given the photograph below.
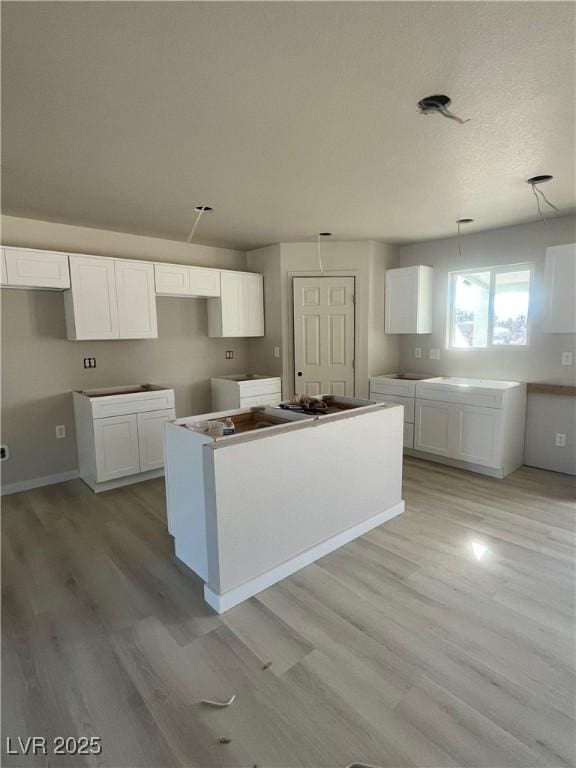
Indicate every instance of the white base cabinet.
{"type": "Point", "coordinates": [389, 389]}
{"type": "Point", "coordinates": [120, 434]}
{"type": "Point", "coordinates": [239, 311]}
{"type": "Point", "coordinates": [478, 425]}
{"type": "Point", "coordinates": [245, 391]}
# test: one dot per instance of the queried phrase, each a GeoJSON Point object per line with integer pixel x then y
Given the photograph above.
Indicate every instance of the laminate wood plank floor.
{"type": "Point", "coordinates": [445, 637]}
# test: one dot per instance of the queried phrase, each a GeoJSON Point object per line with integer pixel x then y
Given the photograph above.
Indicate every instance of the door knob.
{"type": "Point", "coordinates": [299, 373]}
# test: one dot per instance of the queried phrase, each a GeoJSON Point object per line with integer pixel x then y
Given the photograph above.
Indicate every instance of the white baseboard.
{"type": "Point", "coordinates": [500, 474]}
{"type": "Point", "coordinates": [233, 597]}
{"type": "Point", "coordinates": [120, 482]}
{"type": "Point", "coordinates": [38, 482]}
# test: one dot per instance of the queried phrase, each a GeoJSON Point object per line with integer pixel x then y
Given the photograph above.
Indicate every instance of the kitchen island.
{"type": "Point", "coordinates": [248, 509]}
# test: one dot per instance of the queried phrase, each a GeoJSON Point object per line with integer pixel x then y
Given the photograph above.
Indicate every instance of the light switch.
{"type": "Point", "coordinates": [434, 354]}
{"type": "Point", "coordinates": [417, 351]}
{"type": "Point", "coordinates": [567, 358]}
{"type": "Point", "coordinates": [276, 351]}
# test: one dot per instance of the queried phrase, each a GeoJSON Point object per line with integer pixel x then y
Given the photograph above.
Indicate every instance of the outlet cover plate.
{"type": "Point", "coordinates": [567, 358]}
{"type": "Point", "coordinates": [417, 351]}
{"type": "Point", "coordinates": [434, 354]}
{"type": "Point", "coordinates": [560, 441]}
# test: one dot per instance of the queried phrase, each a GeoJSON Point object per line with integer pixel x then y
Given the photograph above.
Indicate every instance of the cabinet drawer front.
{"type": "Point", "coordinates": [408, 435]}
{"type": "Point", "coordinates": [477, 396]}
{"type": "Point", "coordinates": [407, 402]}
{"type": "Point", "coordinates": [385, 386]}
{"type": "Point", "coordinates": [37, 269]}
{"type": "Point", "coordinates": [125, 404]}
{"type": "Point", "coordinates": [116, 442]}
{"type": "Point", "coordinates": [204, 282]}
{"type": "Point", "coordinates": [172, 279]}
{"type": "Point", "coordinates": [259, 387]}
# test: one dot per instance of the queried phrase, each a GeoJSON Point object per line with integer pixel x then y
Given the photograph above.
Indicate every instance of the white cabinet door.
{"type": "Point", "coordinates": [37, 269]}
{"type": "Point", "coordinates": [253, 305]}
{"type": "Point", "coordinates": [476, 434]}
{"type": "Point", "coordinates": [432, 428]}
{"type": "Point", "coordinates": [136, 300]}
{"type": "Point", "coordinates": [91, 304]}
{"type": "Point", "coordinates": [408, 435]}
{"type": "Point", "coordinates": [240, 309]}
{"type": "Point", "coordinates": [151, 438]}
{"type": "Point", "coordinates": [560, 289]}
{"type": "Point", "coordinates": [204, 282]}
{"type": "Point", "coordinates": [408, 307]}
{"type": "Point", "coordinates": [172, 279]}
{"type": "Point", "coordinates": [225, 315]}
{"type": "Point", "coordinates": [116, 440]}
{"type": "Point", "coordinates": [3, 273]}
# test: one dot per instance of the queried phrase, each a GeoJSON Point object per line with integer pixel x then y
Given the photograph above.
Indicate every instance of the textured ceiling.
{"type": "Point", "coordinates": [289, 118]}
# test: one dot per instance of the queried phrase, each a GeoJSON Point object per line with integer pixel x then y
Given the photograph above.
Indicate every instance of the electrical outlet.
{"type": "Point", "coordinates": [89, 362]}
{"type": "Point", "coordinates": [567, 358]}
{"type": "Point", "coordinates": [60, 431]}
{"type": "Point", "coordinates": [560, 441]}
{"type": "Point", "coordinates": [4, 452]}
{"type": "Point", "coordinates": [276, 351]}
{"type": "Point", "coordinates": [417, 351]}
{"type": "Point", "coordinates": [434, 354]}
{"type": "Point", "coordinates": [229, 355]}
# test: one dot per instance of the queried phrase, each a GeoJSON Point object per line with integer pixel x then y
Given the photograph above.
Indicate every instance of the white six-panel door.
{"type": "Point", "coordinates": [324, 335]}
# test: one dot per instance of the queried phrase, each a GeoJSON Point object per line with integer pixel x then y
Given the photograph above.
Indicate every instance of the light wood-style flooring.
{"type": "Point", "coordinates": [443, 638]}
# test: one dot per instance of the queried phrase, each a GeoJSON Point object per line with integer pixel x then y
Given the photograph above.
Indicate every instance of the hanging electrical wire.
{"type": "Point", "coordinates": [199, 209]}
{"type": "Point", "coordinates": [318, 239]}
{"type": "Point", "coordinates": [459, 223]}
{"type": "Point", "coordinates": [535, 182]}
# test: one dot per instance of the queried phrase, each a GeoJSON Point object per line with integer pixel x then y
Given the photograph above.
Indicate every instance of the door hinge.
{"type": "Point", "coordinates": [353, 364]}
{"type": "Point", "coordinates": [353, 298]}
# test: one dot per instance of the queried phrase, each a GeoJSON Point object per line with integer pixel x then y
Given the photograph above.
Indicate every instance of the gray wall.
{"type": "Point", "coordinates": [539, 362]}
{"type": "Point", "coordinates": [40, 367]}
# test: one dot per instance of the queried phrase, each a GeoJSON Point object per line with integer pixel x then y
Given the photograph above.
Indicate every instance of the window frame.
{"type": "Point", "coordinates": [495, 270]}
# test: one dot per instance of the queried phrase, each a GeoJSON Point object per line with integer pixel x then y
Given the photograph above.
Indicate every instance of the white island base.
{"type": "Point", "coordinates": [250, 509]}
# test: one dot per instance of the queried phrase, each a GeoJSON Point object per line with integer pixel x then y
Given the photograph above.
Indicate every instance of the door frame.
{"type": "Point", "coordinates": [355, 274]}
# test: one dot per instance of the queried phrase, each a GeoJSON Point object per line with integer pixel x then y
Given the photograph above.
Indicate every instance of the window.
{"type": "Point", "coordinates": [488, 307]}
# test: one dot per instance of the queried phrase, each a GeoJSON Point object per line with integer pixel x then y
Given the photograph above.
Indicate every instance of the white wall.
{"type": "Point", "coordinates": [40, 368]}
{"type": "Point", "coordinates": [539, 362]}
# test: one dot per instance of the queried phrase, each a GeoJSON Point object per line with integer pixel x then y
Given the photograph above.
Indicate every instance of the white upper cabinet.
{"type": "Point", "coordinates": [91, 305]}
{"type": "Point", "coordinates": [409, 300]}
{"type": "Point", "coordinates": [136, 299]}
{"type": "Point", "coordinates": [180, 280]}
{"type": "Point", "coordinates": [560, 289]}
{"type": "Point", "coordinates": [204, 282]}
{"type": "Point", "coordinates": [172, 280]}
{"type": "Point", "coordinates": [3, 272]}
{"type": "Point", "coordinates": [110, 299]}
{"type": "Point", "coordinates": [240, 309]}
{"type": "Point", "coordinates": [27, 268]}
{"type": "Point", "coordinates": [253, 305]}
